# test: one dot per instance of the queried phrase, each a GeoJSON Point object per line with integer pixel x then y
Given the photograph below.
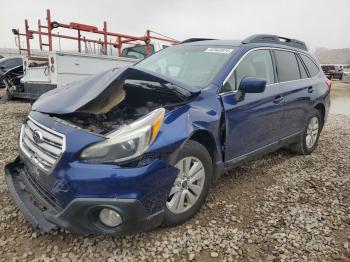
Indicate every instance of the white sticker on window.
{"type": "Point", "coordinates": [218, 50]}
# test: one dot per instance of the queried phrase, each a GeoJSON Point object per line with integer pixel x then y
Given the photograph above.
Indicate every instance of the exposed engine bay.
{"type": "Point", "coordinates": [137, 102]}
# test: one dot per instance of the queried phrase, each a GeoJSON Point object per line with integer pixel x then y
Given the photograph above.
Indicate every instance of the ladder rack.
{"type": "Point", "coordinates": [114, 40]}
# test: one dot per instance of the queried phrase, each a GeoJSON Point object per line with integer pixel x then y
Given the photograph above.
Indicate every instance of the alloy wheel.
{"type": "Point", "coordinates": [188, 185]}
{"type": "Point", "coordinates": [312, 132]}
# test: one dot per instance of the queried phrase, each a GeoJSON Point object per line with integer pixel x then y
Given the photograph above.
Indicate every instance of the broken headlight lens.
{"type": "Point", "coordinates": [126, 143]}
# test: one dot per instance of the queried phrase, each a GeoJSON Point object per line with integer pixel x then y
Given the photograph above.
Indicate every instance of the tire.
{"type": "Point", "coordinates": [305, 146]}
{"type": "Point", "coordinates": [176, 211]}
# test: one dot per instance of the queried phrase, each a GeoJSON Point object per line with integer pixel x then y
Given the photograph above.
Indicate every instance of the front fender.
{"type": "Point", "coordinates": [180, 124]}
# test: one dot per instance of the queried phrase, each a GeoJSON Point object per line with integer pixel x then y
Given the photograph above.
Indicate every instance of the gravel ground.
{"type": "Point", "coordinates": [281, 207]}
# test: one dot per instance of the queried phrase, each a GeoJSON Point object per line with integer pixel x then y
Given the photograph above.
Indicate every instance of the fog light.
{"type": "Point", "coordinates": [110, 217]}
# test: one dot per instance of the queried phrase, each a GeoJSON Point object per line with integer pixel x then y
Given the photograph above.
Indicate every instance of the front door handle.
{"type": "Point", "coordinates": [278, 99]}
{"type": "Point", "coordinates": [310, 89]}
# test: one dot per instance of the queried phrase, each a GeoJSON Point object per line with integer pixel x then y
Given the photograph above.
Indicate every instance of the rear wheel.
{"type": "Point", "coordinates": [191, 186]}
{"type": "Point", "coordinates": [309, 139]}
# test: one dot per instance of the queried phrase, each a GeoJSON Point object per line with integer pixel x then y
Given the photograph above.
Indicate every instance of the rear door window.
{"type": "Point", "coordinates": [256, 64]}
{"type": "Point", "coordinates": [287, 66]}
{"type": "Point", "coordinates": [311, 66]}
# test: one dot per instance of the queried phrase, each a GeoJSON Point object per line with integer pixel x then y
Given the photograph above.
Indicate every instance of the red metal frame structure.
{"type": "Point", "coordinates": [120, 39]}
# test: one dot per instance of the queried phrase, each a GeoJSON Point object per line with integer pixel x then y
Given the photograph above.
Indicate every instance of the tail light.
{"type": "Point", "coordinates": [329, 84]}
{"type": "Point", "coordinates": [52, 60]}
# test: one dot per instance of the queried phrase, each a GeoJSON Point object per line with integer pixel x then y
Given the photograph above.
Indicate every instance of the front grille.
{"type": "Point", "coordinates": [42, 145]}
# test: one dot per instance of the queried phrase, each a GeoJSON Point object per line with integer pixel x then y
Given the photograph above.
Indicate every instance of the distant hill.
{"type": "Point", "coordinates": [332, 56]}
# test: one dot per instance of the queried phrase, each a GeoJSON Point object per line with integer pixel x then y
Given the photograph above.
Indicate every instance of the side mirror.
{"type": "Point", "coordinates": [252, 85]}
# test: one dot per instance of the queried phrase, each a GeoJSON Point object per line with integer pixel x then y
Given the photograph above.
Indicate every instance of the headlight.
{"type": "Point", "coordinates": [128, 142]}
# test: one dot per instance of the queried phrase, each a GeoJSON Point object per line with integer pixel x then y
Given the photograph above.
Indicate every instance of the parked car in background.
{"type": "Point", "coordinates": [12, 80]}
{"type": "Point", "coordinates": [8, 63]}
{"type": "Point", "coordinates": [332, 72]}
{"type": "Point", "coordinates": [128, 150]}
{"type": "Point", "coordinates": [346, 74]}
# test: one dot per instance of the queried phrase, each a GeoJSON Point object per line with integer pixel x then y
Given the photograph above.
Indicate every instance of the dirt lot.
{"type": "Point", "coordinates": [280, 207]}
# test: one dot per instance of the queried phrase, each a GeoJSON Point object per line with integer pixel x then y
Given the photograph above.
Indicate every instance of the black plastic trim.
{"type": "Point", "coordinates": [23, 200]}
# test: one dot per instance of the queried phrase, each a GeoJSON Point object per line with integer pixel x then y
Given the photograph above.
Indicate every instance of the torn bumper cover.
{"type": "Point", "coordinates": [81, 214]}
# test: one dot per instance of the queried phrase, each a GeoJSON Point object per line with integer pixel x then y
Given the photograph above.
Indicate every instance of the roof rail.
{"type": "Point", "coordinates": [190, 40]}
{"type": "Point", "coordinates": [275, 39]}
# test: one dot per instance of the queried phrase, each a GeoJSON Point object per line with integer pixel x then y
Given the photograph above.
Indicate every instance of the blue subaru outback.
{"type": "Point", "coordinates": [134, 148]}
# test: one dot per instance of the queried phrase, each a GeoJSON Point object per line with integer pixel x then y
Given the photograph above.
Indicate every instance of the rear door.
{"type": "Point", "coordinates": [253, 121]}
{"type": "Point", "coordinates": [294, 82]}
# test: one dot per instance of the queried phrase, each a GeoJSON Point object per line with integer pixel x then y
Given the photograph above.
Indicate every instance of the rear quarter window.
{"type": "Point", "coordinates": [287, 66]}
{"type": "Point", "coordinates": [311, 66]}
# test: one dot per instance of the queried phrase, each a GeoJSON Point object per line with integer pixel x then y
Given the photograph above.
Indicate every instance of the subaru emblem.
{"type": "Point", "coordinates": [37, 136]}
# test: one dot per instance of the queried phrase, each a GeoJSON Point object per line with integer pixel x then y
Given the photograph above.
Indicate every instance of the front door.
{"type": "Point", "coordinates": [253, 121]}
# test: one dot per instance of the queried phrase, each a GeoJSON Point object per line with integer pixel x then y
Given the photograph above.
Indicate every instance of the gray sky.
{"type": "Point", "coordinates": [320, 23]}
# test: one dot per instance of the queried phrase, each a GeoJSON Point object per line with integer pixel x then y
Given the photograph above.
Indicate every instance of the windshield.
{"type": "Point", "coordinates": [191, 65]}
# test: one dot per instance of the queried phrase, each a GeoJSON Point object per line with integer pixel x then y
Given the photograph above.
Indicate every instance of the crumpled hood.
{"type": "Point", "coordinates": [100, 92]}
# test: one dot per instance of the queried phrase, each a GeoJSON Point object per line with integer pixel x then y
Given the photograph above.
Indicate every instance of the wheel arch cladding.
{"type": "Point", "coordinates": [206, 139]}
{"type": "Point", "coordinates": [321, 108]}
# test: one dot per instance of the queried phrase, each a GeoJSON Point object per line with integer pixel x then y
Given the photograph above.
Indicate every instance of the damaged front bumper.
{"type": "Point", "coordinates": [81, 214]}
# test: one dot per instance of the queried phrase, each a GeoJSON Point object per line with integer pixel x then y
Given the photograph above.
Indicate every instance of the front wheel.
{"type": "Point", "coordinates": [309, 139]}
{"type": "Point", "coordinates": [191, 186]}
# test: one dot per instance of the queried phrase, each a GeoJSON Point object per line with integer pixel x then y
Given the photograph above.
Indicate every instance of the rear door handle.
{"type": "Point", "coordinates": [310, 89]}
{"type": "Point", "coordinates": [278, 99]}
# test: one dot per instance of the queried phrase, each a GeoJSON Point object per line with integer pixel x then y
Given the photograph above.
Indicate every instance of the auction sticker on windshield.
{"type": "Point", "coordinates": [218, 50]}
